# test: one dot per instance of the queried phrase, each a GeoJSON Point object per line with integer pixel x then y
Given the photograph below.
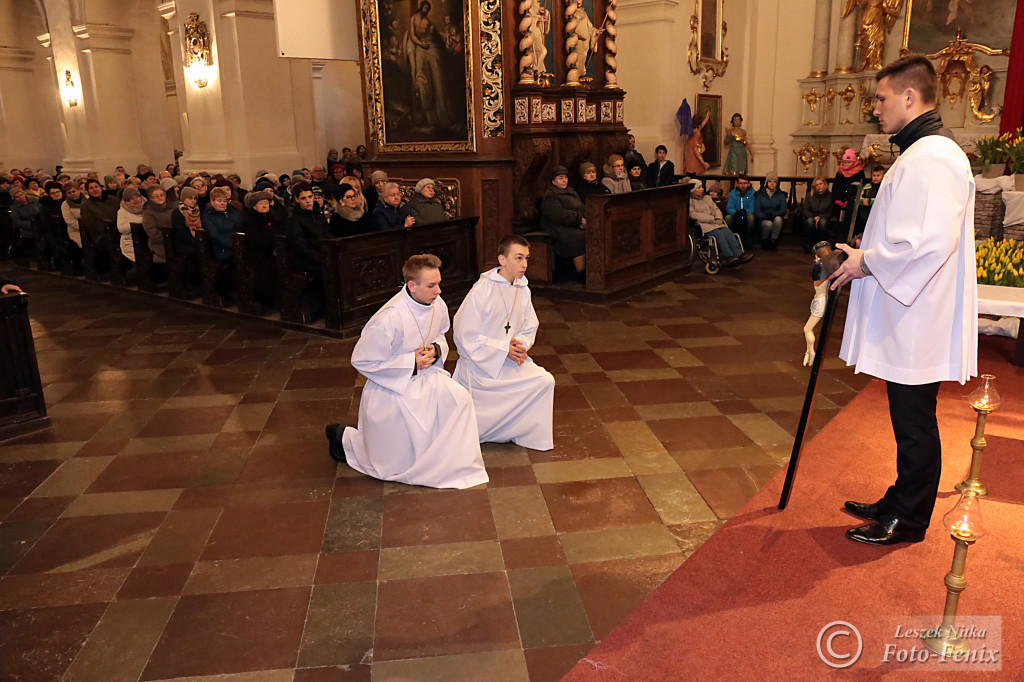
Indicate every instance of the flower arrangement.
{"type": "Point", "coordinates": [1015, 151]}
{"type": "Point", "coordinates": [992, 149]}
{"type": "Point", "coordinates": [1000, 263]}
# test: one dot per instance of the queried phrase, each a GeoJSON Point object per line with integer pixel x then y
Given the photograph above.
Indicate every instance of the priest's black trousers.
{"type": "Point", "coordinates": [918, 452]}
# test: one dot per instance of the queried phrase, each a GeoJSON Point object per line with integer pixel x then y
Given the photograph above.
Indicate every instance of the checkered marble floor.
{"type": "Point", "coordinates": [182, 520]}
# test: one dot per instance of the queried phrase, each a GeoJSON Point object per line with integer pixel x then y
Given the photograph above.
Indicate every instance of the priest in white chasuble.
{"type": "Point", "coordinates": [495, 328]}
{"type": "Point", "coordinates": [416, 425]}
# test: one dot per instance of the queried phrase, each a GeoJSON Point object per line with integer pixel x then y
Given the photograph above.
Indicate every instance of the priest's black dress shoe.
{"type": "Point", "coordinates": [871, 512]}
{"type": "Point", "coordinates": [887, 531]}
{"type": "Point", "coordinates": [334, 443]}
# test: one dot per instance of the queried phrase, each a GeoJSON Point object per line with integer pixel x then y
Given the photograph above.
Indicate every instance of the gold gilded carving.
{"type": "Point", "coordinates": [876, 20]}
{"type": "Point", "coordinates": [491, 77]}
{"type": "Point", "coordinates": [198, 58]}
{"type": "Point", "coordinates": [830, 100]}
{"type": "Point", "coordinates": [710, 61]}
{"type": "Point", "coordinates": [958, 72]}
{"type": "Point", "coordinates": [822, 156]}
{"type": "Point", "coordinates": [535, 109]}
{"type": "Point", "coordinates": [606, 112]}
{"type": "Point", "coordinates": [847, 94]}
{"type": "Point", "coordinates": [591, 113]}
{"type": "Point", "coordinates": [619, 106]}
{"type": "Point", "coordinates": [581, 111]}
{"type": "Point", "coordinates": [812, 97]}
{"type": "Point", "coordinates": [806, 156]}
{"type": "Point", "coordinates": [547, 112]}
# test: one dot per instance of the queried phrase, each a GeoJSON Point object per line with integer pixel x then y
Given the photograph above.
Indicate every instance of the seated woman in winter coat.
{"type": "Point", "coordinates": [589, 184]}
{"type": "Point", "coordinates": [130, 213]}
{"type": "Point", "coordinates": [563, 216]}
{"type": "Point", "coordinates": [817, 213]}
{"type": "Point", "coordinates": [350, 215]}
{"type": "Point", "coordinates": [424, 205]}
{"type": "Point", "coordinates": [615, 178]}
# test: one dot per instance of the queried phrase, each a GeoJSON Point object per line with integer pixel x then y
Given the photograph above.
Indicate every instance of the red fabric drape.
{"type": "Point", "coordinates": [1013, 101]}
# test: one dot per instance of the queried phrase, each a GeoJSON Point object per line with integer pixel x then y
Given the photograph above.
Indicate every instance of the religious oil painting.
{"type": "Point", "coordinates": [712, 129]}
{"type": "Point", "coordinates": [934, 23]}
{"type": "Point", "coordinates": [420, 74]}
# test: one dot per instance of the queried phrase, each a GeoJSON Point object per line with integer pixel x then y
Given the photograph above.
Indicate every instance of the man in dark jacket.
{"type": "Point", "coordinates": [389, 213]}
{"type": "Point", "coordinates": [661, 172]}
{"type": "Point", "coordinates": [769, 209]}
{"type": "Point", "coordinates": [305, 228]}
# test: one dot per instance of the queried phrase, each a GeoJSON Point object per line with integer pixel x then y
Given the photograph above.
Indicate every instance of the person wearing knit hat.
{"type": "Point", "coordinates": [262, 184]}
{"type": "Point", "coordinates": [844, 190]}
{"type": "Point", "coordinates": [372, 193]}
{"type": "Point", "coordinates": [187, 193]}
{"type": "Point", "coordinates": [169, 186]}
{"type": "Point", "coordinates": [424, 205]}
{"type": "Point", "coordinates": [708, 217]}
{"type": "Point", "coordinates": [563, 216]}
{"type": "Point", "coordinates": [130, 213]}
{"type": "Point", "coordinates": [769, 209]}
{"type": "Point", "coordinates": [256, 196]}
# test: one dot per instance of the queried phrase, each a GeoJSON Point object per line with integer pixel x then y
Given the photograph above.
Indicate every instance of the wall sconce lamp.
{"type": "Point", "coordinates": [69, 91]}
{"type": "Point", "coordinates": [198, 56]}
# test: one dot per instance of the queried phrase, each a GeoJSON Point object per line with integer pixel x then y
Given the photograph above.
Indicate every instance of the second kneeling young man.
{"type": "Point", "coordinates": [495, 328]}
{"type": "Point", "coordinates": [416, 425]}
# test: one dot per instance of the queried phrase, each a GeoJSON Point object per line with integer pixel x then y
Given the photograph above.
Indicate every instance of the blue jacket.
{"type": "Point", "coordinates": [739, 201]}
{"type": "Point", "coordinates": [387, 217]}
{"type": "Point", "coordinates": [23, 217]}
{"type": "Point", "coordinates": [769, 207]}
{"type": "Point", "coordinates": [219, 226]}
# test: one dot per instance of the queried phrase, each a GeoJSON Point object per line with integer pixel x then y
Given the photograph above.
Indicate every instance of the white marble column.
{"type": "Point", "coordinates": [203, 127]}
{"type": "Point", "coordinates": [62, 43]}
{"type": "Point", "coordinates": [844, 43]}
{"type": "Point", "coordinates": [110, 108]}
{"type": "Point", "coordinates": [819, 48]}
{"type": "Point", "coordinates": [761, 86]}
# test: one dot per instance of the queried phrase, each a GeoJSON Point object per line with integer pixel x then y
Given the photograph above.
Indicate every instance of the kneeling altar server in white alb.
{"type": "Point", "coordinates": [494, 330]}
{"type": "Point", "coordinates": [416, 425]}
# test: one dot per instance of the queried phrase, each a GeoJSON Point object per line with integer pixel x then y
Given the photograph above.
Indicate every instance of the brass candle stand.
{"type": "Point", "coordinates": [965, 526]}
{"type": "Point", "coordinates": [985, 400]}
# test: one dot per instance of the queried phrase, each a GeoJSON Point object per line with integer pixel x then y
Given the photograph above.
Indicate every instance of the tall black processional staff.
{"type": "Point", "coordinates": [823, 308]}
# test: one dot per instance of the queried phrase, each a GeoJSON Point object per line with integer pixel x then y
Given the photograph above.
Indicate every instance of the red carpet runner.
{"type": "Point", "coordinates": [751, 602]}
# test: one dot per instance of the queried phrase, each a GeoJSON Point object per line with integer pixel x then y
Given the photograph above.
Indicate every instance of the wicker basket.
{"type": "Point", "coordinates": [1015, 232]}
{"type": "Point", "coordinates": [989, 210]}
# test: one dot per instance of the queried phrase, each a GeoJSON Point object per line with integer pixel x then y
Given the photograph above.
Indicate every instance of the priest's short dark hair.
{"type": "Point", "coordinates": [913, 71]}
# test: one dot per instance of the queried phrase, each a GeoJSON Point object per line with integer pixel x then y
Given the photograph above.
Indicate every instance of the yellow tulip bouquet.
{"type": "Point", "coordinates": [1001, 263]}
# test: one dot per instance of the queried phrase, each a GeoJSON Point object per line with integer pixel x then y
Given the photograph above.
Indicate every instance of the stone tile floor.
{"type": "Point", "coordinates": [182, 520]}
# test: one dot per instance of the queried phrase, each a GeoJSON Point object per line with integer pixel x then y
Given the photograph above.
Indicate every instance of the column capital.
{"type": "Point", "coordinates": [168, 10]}
{"type": "Point", "coordinates": [15, 59]}
{"type": "Point", "coordinates": [104, 37]}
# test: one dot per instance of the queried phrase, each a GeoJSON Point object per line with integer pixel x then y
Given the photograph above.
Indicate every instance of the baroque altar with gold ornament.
{"type": "Point", "coordinates": [837, 103]}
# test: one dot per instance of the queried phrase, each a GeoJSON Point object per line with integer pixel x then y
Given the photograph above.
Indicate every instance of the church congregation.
{"type": "Point", "coordinates": [469, 339]}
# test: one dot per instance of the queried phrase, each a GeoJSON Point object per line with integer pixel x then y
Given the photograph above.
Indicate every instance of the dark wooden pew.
{"type": "Point", "coordinates": [363, 271]}
{"type": "Point", "coordinates": [22, 405]}
{"type": "Point", "coordinates": [637, 239]}
{"type": "Point", "coordinates": [245, 276]}
{"type": "Point", "coordinates": [292, 282]}
{"type": "Point", "coordinates": [179, 268]}
{"type": "Point", "coordinates": [115, 261]}
{"type": "Point", "coordinates": [90, 256]}
{"type": "Point", "coordinates": [143, 258]}
{"type": "Point", "coordinates": [210, 271]}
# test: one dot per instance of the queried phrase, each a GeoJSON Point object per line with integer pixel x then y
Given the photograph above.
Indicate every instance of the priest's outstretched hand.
{"type": "Point", "coordinates": [517, 351]}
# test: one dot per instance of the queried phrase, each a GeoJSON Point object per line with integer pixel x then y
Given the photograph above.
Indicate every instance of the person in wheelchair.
{"type": "Point", "coordinates": [712, 226]}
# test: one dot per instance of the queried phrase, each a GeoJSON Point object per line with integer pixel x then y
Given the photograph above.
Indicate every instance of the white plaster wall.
{"type": "Point", "coordinates": [342, 113]}
{"type": "Point", "coordinates": [653, 69]}
{"type": "Point", "coordinates": [30, 131]}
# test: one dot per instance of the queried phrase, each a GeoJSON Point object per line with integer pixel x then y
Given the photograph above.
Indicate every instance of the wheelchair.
{"type": "Point", "coordinates": [706, 249]}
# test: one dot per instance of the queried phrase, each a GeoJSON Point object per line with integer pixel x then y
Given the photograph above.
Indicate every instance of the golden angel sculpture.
{"type": "Point", "coordinates": [876, 20]}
